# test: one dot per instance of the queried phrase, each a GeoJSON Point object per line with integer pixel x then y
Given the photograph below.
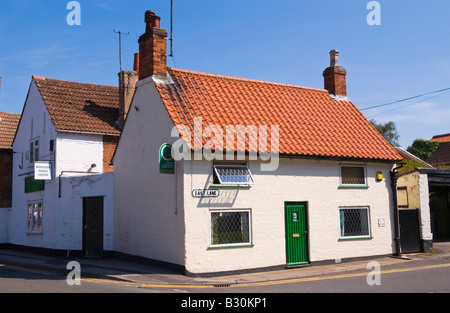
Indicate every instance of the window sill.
{"type": "Point", "coordinates": [231, 247]}
{"type": "Point", "coordinates": [232, 186]}
{"type": "Point", "coordinates": [353, 187]}
{"type": "Point", "coordinates": [355, 238]}
{"type": "Point", "coordinates": [33, 233]}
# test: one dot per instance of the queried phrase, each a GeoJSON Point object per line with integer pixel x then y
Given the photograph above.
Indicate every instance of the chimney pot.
{"type": "Point", "coordinates": [136, 62]}
{"type": "Point", "coordinates": [334, 58]}
{"type": "Point", "coordinates": [151, 20]}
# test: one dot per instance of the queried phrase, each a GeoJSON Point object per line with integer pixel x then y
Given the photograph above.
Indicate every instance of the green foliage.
{"type": "Point", "coordinates": [410, 166]}
{"type": "Point", "coordinates": [388, 131]}
{"type": "Point", "coordinates": [422, 148]}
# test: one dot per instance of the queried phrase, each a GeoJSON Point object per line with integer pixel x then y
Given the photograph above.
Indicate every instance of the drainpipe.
{"type": "Point", "coordinates": [394, 178]}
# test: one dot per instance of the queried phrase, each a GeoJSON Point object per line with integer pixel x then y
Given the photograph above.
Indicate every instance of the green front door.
{"type": "Point", "coordinates": [296, 234]}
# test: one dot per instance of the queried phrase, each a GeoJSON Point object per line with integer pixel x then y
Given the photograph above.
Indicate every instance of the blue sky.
{"type": "Point", "coordinates": [284, 41]}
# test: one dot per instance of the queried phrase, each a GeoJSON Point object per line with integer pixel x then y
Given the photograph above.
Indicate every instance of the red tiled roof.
{"type": "Point", "coordinates": [311, 122]}
{"type": "Point", "coordinates": [441, 138]}
{"type": "Point", "coordinates": [8, 126]}
{"type": "Point", "coordinates": [80, 107]}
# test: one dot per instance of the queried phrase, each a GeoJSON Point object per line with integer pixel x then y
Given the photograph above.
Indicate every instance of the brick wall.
{"type": "Point", "coordinates": [152, 53]}
{"type": "Point", "coordinates": [5, 178]}
{"type": "Point", "coordinates": [109, 147]}
{"type": "Point", "coordinates": [335, 80]}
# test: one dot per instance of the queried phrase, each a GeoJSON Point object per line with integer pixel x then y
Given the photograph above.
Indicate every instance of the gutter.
{"type": "Point", "coordinates": [86, 133]}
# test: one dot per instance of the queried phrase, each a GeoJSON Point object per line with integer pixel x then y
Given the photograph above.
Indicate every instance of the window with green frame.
{"type": "Point", "coordinates": [353, 175]}
{"type": "Point", "coordinates": [230, 228]}
{"type": "Point", "coordinates": [354, 222]}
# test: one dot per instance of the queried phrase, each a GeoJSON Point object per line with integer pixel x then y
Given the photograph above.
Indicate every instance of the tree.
{"type": "Point", "coordinates": [388, 131]}
{"type": "Point", "coordinates": [422, 148]}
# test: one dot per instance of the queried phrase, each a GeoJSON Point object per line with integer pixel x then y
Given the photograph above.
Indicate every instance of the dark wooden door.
{"type": "Point", "coordinates": [93, 227]}
{"type": "Point", "coordinates": [409, 230]}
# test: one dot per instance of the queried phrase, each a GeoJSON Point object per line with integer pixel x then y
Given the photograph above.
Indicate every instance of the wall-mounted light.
{"type": "Point", "coordinates": [379, 176]}
{"type": "Point", "coordinates": [93, 165]}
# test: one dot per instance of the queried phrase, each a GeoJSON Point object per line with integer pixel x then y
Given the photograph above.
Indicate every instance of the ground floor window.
{"type": "Point", "coordinates": [35, 216]}
{"type": "Point", "coordinates": [230, 228]}
{"type": "Point", "coordinates": [354, 222]}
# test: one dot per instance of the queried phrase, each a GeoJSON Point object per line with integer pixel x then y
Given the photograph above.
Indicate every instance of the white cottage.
{"type": "Point", "coordinates": [71, 129]}
{"type": "Point", "coordinates": [217, 174]}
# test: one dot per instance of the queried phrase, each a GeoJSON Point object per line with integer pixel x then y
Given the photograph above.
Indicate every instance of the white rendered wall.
{"type": "Point", "coordinates": [149, 219]}
{"type": "Point", "coordinates": [310, 181]}
{"type": "Point", "coordinates": [69, 229]}
{"type": "Point", "coordinates": [425, 216]}
{"type": "Point", "coordinates": [77, 152]}
{"type": "Point", "coordinates": [35, 124]}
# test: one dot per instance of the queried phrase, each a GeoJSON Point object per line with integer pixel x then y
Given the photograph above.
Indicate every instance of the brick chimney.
{"type": "Point", "coordinates": [127, 86]}
{"type": "Point", "coordinates": [335, 76]}
{"type": "Point", "coordinates": [152, 48]}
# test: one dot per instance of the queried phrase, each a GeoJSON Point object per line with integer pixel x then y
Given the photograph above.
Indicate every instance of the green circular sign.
{"type": "Point", "coordinates": [166, 152]}
{"type": "Point", "coordinates": [166, 160]}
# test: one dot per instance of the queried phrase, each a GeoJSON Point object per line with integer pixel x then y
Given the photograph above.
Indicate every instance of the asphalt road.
{"type": "Point", "coordinates": [421, 276]}
{"type": "Point", "coordinates": [417, 277]}
{"type": "Point", "coordinates": [27, 280]}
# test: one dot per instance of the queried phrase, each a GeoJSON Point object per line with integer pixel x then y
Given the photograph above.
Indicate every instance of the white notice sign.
{"type": "Point", "coordinates": [205, 193]}
{"type": "Point", "coordinates": [42, 170]}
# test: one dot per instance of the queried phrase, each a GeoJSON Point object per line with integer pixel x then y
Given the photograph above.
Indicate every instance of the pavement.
{"type": "Point", "coordinates": [121, 270]}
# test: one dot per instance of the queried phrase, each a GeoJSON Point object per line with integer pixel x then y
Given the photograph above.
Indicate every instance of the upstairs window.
{"type": "Point", "coordinates": [232, 175]}
{"type": "Point", "coordinates": [352, 175]}
{"type": "Point", "coordinates": [34, 150]}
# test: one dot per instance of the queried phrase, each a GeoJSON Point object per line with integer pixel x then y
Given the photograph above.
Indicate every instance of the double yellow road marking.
{"type": "Point", "coordinates": [266, 283]}
{"type": "Point", "coordinates": [142, 285]}
{"type": "Point", "coordinates": [318, 278]}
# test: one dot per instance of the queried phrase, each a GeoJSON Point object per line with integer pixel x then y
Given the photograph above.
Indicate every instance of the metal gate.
{"type": "Point", "coordinates": [409, 230]}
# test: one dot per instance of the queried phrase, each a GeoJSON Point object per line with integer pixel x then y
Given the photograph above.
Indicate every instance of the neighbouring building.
{"type": "Point", "coordinates": [441, 157]}
{"type": "Point", "coordinates": [424, 198]}
{"type": "Point", "coordinates": [216, 174]}
{"type": "Point", "coordinates": [8, 126]}
{"type": "Point", "coordinates": [62, 172]}
{"type": "Point", "coordinates": [424, 194]}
